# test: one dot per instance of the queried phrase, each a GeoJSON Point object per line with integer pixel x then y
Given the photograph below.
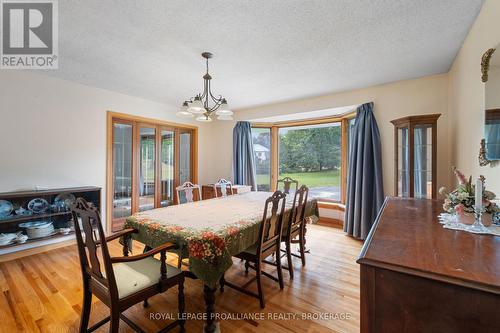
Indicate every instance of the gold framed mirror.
{"type": "Point", "coordinates": [490, 70]}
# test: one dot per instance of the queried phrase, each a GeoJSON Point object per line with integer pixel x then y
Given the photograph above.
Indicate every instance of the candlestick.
{"type": "Point", "coordinates": [479, 195]}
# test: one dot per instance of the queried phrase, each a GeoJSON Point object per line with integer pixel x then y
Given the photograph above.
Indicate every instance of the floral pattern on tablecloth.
{"type": "Point", "coordinates": [208, 232]}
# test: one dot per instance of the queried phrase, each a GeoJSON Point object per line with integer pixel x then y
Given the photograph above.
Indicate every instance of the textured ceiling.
{"type": "Point", "coordinates": [265, 50]}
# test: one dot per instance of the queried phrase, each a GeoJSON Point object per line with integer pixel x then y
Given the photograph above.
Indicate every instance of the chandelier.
{"type": "Point", "coordinates": [205, 105]}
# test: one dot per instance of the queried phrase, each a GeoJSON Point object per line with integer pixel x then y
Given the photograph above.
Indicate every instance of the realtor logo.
{"type": "Point", "coordinates": [29, 34]}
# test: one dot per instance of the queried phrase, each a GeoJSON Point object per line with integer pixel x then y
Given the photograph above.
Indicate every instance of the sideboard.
{"type": "Point", "coordinates": [417, 276]}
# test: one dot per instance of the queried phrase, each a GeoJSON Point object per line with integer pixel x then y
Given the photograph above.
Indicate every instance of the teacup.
{"type": "Point", "coordinates": [22, 238]}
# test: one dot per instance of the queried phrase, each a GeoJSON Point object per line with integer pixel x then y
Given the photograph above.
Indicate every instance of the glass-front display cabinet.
{"type": "Point", "coordinates": [415, 152]}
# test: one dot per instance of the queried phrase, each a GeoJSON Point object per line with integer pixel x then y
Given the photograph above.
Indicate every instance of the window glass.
{"type": "Point", "coordinates": [167, 168]}
{"type": "Point", "coordinates": [312, 155]}
{"type": "Point", "coordinates": [403, 162]}
{"type": "Point", "coordinates": [122, 170]}
{"type": "Point", "coordinates": [423, 161]}
{"type": "Point", "coordinates": [262, 153]}
{"type": "Point", "coordinates": [185, 158]}
{"type": "Point", "coordinates": [147, 160]}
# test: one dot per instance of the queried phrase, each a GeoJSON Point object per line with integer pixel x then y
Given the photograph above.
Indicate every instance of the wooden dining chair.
{"type": "Point", "coordinates": [268, 244]}
{"type": "Point", "coordinates": [185, 192]}
{"type": "Point", "coordinates": [224, 186]}
{"type": "Point", "coordinates": [296, 228]}
{"type": "Point", "coordinates": [287, 183]}
{"type": "Point", "coordinates": [126, 280]}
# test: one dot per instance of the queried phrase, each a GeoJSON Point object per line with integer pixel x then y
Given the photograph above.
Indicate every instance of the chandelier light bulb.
{"type": "Point", "coordinates": [204, 118]}
{"type": "Point", "coordinates": [183, 111]}
{"type": "Point", "coordinates": [196, 106]}
{"type": "Point", "coordinates": [224, 109]}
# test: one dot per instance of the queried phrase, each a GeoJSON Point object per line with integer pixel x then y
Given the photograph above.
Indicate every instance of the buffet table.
{"type": "Point", "coordinates": [417, 276]}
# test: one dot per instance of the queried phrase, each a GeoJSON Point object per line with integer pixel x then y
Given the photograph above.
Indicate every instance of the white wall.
{"type": "Point", "coordinates": [53, 132]}
{"type": "Point", "coordinates": [492, 87]}
{"type": "Point", "coordinates": [467, 95]}
{"type": "Point", "coordinates": [412, 97]}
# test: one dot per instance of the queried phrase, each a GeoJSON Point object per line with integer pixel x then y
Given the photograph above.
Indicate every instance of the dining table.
{"type": "Point", "coordinates": [209, 233]}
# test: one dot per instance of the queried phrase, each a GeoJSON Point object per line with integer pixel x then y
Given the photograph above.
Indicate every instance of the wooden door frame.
{"type": "Point", "coordinates": [136, 122]}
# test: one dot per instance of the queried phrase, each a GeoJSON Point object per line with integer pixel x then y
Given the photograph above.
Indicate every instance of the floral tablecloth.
{"type": "Point", "coordinates": [209, 232]}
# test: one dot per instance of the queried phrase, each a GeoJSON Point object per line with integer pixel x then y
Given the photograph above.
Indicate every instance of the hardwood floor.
{"type": "Point", "coordinates": [43, 293]}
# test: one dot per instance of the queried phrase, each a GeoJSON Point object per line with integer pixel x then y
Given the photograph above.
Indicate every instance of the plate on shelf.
{"type": "Point", "coordinates": [38, 206]}
{"type": "Point", "coordinates": [5, 209]}
{"type": "Point", "coordinates": [65, 198]}
{"type": "Point", "coordinates": [7, 239]}
{"type": "Point", "coordinates": [38, 229]}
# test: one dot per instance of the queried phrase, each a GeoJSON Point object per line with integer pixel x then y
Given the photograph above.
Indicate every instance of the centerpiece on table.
{"type": "Point", "coordinates": [462, 200]}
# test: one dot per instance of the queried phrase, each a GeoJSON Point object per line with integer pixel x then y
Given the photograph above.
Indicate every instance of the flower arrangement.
{"type": "Point", "coordinates": [461, 200]}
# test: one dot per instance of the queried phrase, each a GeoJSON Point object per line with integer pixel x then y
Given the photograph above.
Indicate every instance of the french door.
{"type": "Point", "coordinates": [147, 161]}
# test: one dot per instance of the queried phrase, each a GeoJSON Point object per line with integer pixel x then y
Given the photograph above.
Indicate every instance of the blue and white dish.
{"type": "Point", "coordinates": [64, 200]}
{"type": "Point", "coordinates": [38, 206]}
{"type": "Point", "coordinates": [5, 209]}
{"type": "Point", "coordinates": [23, 212]}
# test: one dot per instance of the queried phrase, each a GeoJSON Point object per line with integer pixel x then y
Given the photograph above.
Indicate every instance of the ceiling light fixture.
{"type": "Point", "coordinates": [205, 105]}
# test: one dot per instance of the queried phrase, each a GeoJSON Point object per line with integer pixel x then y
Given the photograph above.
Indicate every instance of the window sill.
{"type": "Point", "coordinates": [333, 205]}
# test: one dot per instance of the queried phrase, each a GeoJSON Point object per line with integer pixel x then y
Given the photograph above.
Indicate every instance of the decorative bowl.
{"type": "Point", "coordinates": [38, 205]}
{"type": "Point", "coordinates": [5, 209]}
{"type": "Point", "coordinates": [38, 229]}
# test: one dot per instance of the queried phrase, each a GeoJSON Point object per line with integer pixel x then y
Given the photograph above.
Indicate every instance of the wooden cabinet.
{"type": "Point", "coordinates": [417, 276]}
{"type": "Point", "coordinates": [207, 191]}
{"type": "Point", "coordinates": [415, 156]}
{"type": "Point", "coordinates": [53, 211]}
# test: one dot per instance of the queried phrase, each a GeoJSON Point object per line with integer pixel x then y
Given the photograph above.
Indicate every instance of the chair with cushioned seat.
{"type": "Point", "coordinates": [126, 280]}
{"type": "Point", "coordinates": [268, 244]}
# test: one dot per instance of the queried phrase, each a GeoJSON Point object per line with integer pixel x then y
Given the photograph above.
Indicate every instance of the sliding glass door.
{"type": "Point", "coordinates": [122, 170]}
{"type": "Point", "coordinates": [167, 167]}
{"type": "Point", "coordinates": [185, 157]}
{"type": "Point", "coordinates": [147, 158]}
{"type": "Point", "coordinates": [148, 161]}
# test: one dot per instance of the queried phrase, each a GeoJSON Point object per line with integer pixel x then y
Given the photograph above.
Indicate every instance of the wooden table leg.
{"type": "Point", "coordinates": [209, 294]}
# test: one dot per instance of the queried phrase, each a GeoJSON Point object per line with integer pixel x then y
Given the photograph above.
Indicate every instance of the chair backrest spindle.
{"type": "Point", "coordinates": [297, 216]}
{"type": "Point", "coordinates": [287, 183]}
{"type": "Point", "coordinates": [272, 221]}
{"type": "Point", "coordinates": [187, 189]}
{"type": "Point", "coordinates": [88, 246]}
{"type": "Point", "coordinates": [224, 185]}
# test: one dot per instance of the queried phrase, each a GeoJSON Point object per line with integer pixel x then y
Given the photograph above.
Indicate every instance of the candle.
{"type": "Point", "coordinates": [479, 194]}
